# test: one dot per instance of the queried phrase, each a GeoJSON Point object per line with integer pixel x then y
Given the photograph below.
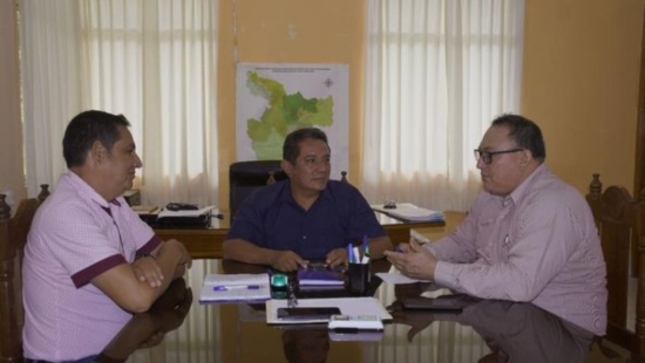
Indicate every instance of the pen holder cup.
{"type": "Point", "coordinates": [358, 282]}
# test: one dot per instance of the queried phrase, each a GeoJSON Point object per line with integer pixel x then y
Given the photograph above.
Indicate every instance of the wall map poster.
{"type": "Point", "coordinates": [275, 99]}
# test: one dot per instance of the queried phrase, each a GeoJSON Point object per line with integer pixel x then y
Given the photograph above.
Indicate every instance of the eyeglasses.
{"type": "Point", "coordinates": [487, 156]}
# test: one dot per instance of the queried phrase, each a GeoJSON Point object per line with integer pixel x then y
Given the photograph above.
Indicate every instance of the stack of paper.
{"type": "Point", "coordinates": [235, 287]}
{"type": "Point", "coordinates": [410, 212]}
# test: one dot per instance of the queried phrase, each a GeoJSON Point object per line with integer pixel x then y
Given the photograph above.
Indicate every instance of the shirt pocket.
{"type": "Point", "coordinates": [486, 230]}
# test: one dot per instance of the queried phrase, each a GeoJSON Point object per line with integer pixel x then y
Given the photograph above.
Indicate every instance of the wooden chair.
{"type": "Point", "coordinates": [13, 236]}
{"type": "Point", "coordinates": [621, 222]}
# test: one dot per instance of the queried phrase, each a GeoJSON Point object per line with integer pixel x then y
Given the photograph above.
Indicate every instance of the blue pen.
{"type": "Point", "coordinates": [227, 288]}
{"type": "Point", "coordinates": [350, 253]}
{"type": "Point", "coordinates": [366, 250]}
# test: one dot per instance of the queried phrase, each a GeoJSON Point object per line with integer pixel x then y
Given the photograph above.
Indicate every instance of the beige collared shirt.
{"type": "Point", "coordinates": [539, 244]}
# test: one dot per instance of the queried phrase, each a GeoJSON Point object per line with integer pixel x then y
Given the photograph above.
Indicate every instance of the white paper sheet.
{"type": "Point", "coordinates": [235, 287]}
{"type": "Point", "coordinates": [421, 239]}
{"type": "Point", "coordinates": [236, 279]}
{"type": "Point", "coordinates": [397, 278]}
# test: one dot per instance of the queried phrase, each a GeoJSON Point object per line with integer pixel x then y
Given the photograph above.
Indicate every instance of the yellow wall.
{"type": "Point", "coordinates": [580, 79]}
{"type": "Point", "coordinates": [288, 31]}
{"type": "Point", "coordinates": [580, 83]}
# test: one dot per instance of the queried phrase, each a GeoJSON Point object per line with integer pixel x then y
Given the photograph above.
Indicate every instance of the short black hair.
{"type": "Point", "coordinates": [525, 133]}
{"type": "Point", "coordinates": [86, 128]}
{"type": "Point", "coordinates": [291, 146]}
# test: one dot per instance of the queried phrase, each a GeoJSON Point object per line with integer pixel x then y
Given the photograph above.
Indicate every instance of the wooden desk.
{"type": "Point", "coordinates": [207, 243]}
{"type": "Point", "coordinates": [238, 332]}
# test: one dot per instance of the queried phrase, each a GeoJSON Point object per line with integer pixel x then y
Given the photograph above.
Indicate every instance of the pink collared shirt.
{"type": "Point", "coordinates": [75, 236]}
{"type": "Point", "coordinates": [539, 244]}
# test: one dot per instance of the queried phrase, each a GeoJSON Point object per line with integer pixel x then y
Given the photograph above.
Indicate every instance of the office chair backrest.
{"type": "Point", "coordinates": [247, 176]}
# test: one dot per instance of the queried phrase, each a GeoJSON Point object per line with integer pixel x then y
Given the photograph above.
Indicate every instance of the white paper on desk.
{"type": "Point", "coordinates": [421, 239]}
{"type": "Point", "coordinates": [185, 213]}
{"type": "Point", "coordinates": [353, 306]}
{"type": "Point", "coordinates": [209, 294]}
{"type": "Point", "coordinates": [238, 284]}
{"type": "Point", "coordinates": [397, 278]}
{"type": "Point", "coordinates": [236, 279]}
{"type": "Point", "coordinates": [411, 212]}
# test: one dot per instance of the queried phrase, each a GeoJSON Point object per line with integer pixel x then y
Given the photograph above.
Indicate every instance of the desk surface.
{"type": "Point", "coordinates": [207, 242]}
{"type": "Point", "coordinates": [238, 332]}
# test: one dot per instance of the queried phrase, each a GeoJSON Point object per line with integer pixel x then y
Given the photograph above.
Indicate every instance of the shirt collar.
{"type": "Point", "coordinates": [286, 195]}
{"type": "Point", "coordinates": [519, 192]}
{"type": "Point", "coordinates": [87, 191]}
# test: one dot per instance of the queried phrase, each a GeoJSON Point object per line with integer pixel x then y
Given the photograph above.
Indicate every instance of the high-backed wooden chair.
{"type": "Point", "coordinates": [13, 236]}
{"type": "Point", "coordinates": [621, 222]}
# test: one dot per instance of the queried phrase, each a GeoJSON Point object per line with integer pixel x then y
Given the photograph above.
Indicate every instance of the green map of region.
{"type": "Point", "coordinates": [285, 113]}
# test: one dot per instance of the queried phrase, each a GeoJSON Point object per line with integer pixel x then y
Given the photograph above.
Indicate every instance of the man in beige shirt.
{"type": "Point", "coordinates": [529, 236]}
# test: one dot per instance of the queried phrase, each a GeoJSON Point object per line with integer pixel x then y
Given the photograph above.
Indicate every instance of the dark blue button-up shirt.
{"type": "Point", "coordinates": [271, 218]}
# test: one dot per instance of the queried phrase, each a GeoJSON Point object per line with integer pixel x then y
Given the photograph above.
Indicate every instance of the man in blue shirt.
{"type": "Point", "coordinates": [306, 217]}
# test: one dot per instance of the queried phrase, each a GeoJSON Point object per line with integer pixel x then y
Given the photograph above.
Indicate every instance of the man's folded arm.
{"type": "Point", "coordinates": [122, 285]}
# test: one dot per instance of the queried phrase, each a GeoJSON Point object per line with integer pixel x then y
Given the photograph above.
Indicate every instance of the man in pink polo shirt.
{"type": "Point", "coordinates": [90, 262]}
{"type": "Point", "coordinates": [528, 237]}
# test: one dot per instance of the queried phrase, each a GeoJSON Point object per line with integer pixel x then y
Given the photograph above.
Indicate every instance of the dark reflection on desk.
{"type": "Point", "coordinates": [148, 329]}
{"type": "Point", "coordinates": [515, 332]}
{"type": "Point", "coordinates": [306, 345]}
